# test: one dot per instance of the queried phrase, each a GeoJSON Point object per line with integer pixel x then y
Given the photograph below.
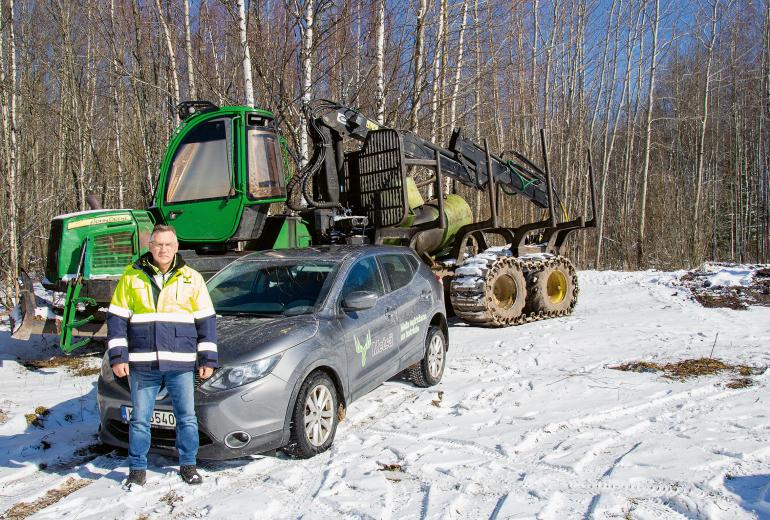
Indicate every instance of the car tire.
{"type": "Point", "coordinates": [430, 369]}
{"type": "Point", "coordinates": [314, 418]}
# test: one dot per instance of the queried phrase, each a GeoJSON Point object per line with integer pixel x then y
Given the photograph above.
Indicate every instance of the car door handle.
{"type": "Point", "coordinates": [389, 312]}
{"type": "Point", "coordinates": [174, 214]}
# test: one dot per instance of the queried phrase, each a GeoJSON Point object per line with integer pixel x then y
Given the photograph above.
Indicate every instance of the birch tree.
{"type": "Point", "coordinates": [419, 44]}
{"type": "Point", "coordinates": [248, 85]}
{"type": "Point", "coordinates": [695, 251]}
{"type": "Point", "coordinates": [192, 92]}
{"type": "Point", "coordinates": [380, 57]}
{"type": "Point", "coordinates": [172, 61]}
{"type": "Point", "coordinates": [641, 261]}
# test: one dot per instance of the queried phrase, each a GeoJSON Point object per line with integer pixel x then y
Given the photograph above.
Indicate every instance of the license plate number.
{"type": "Point", "coordinates": [159, 418]}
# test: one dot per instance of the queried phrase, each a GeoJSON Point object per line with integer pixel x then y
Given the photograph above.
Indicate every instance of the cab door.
{"type": "Point", "coordinates": [370, 336]}
{"type": "Point", "coordinates": [195, 192]}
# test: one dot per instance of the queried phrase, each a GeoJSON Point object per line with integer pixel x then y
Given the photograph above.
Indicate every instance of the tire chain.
{"type": "Point", "coordinates": [469, 297]}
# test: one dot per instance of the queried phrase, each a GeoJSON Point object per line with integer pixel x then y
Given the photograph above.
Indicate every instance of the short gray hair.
{"type": "Point", "coordinates": [162, 228]}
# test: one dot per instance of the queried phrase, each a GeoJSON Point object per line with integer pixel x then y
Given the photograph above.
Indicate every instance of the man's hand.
{"type": "Point", "coordinates": [205, 372]}
{"type": "Point", "coordinates": [120, 369]}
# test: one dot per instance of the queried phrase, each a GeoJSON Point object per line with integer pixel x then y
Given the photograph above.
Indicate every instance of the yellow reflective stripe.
{"type": "Point", "coordinates": [119, 311]}
{"type": "Point", "coordinates": [207, 346]}
{"type": "Point", "coordinates": [174, 317]}
{"type": "Point", "coordinates": [163, 356]}
{"type": "Point", "coordinates": [204, 313]}
{"type": "Point", "coordinates": [117, 343]}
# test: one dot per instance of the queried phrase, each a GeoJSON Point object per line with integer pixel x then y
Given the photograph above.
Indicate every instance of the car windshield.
{"type": "Point", "coordinates": [271, 288]}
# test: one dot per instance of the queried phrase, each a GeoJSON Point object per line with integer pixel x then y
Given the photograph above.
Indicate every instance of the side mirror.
{"type": "Point", "coordinates": [359, 301]}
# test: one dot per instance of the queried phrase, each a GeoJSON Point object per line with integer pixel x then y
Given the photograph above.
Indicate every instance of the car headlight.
{"type": "Point", "coordinates": [239, 375]}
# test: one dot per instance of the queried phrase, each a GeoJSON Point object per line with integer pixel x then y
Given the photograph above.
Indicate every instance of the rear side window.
{"type": "Point", "coordinates": [398, 270]}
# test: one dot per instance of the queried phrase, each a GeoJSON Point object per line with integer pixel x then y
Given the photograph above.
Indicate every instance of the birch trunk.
{"type": "Point", "coordinates": [640, 251]}
{"type": "Point", "coordinates": [437, 59]}
{"type": "Point", "coordinates": [419, 44]}
{"type": "Point", "coordinates": [381, 62]}
{"type": "Point", "coordinates": [13, 163]}
{"type": "Point", "coordinates": [307, 74]}
{"type": "Point", "coordinates": [191, 90]}
{"type": "Point", "coordinates": [171, 59]}
{"type": "Point", "coordinates": [696, 250]}
{"type": "Point", "coordinates": [248, 84]}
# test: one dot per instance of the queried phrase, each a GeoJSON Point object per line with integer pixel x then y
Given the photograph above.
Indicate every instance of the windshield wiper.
{"type": "Point", "coordinates": [248, 314]}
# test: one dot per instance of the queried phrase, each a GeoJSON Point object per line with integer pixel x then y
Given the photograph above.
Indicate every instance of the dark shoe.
{"type": "Point", "coordinates": [136, 477]}
{"type": "Point", "coordinates": [190, 475]}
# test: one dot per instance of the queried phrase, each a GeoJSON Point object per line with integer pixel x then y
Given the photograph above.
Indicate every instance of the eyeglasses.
{"type": "Point", "coordinates": [163, 245]}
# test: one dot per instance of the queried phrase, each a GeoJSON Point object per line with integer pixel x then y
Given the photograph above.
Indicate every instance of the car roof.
{"type": "Point", "coordinates": [334, 253]}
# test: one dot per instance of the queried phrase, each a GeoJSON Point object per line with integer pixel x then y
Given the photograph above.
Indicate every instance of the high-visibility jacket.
{"type": "Point", "coordinates": [168, 328]}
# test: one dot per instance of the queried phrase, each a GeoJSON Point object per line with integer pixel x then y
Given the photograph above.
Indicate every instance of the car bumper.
{"type": "Point", "coordinates": [258, 409]}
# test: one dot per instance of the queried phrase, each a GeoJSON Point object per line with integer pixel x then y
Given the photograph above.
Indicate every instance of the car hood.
{"type": "Point", "coordinates": [241, 339]}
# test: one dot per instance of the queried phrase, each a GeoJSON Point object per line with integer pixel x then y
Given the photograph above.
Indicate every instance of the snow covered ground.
{"type": "Point", "coordinates": [528, 422]}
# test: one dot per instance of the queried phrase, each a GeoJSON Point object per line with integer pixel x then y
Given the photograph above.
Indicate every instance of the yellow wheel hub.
{"type": "Point", "coordinates": [504, 291]}
{"type": "Point", "coordinates": [557, 287]}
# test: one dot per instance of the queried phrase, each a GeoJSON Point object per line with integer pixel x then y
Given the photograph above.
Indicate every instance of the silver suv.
{"type": "Point", "coordinates": [302, 334]}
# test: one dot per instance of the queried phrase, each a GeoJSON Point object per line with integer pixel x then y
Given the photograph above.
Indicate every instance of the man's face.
{"type": "Point", "coordinates": [163, 247]}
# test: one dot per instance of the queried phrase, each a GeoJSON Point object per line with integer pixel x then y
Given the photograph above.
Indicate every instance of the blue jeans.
{"type": "Point", "coordinates": [144, 389]}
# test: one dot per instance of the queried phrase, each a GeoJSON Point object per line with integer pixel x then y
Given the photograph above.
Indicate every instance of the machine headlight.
{"type": "Point", "coordinates": [239, 375]}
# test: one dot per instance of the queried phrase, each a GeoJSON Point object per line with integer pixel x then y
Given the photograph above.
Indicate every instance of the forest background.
{"type": "Point", "coordinates": [671, 97]}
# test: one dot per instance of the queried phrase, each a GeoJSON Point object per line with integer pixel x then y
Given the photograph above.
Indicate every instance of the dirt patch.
{"type": "Point", "coordinates": [37, 418]}
{"type": "Point", "coordinates": [711, 294]}
{"type": "Point", "coordinates": [683, 370]}
{"type": "Point", "coordinates": [25, 509]}
{"type": "Point", "coordinates": [3, 416]}
{"type": "Point", "coordinates": [78, 366]}
{"type": "Point", "coordinates": [172, 498]}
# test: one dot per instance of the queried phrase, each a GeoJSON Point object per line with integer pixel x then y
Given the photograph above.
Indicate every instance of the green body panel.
{"type": "Point", "coordinates": [458, 214]}
{"type": "Point", "coordinates": [222, 215]}
{"type": "Point", "coordinates": [413, 196]}
{"type": "Point", "coordinates": [115, 236]}
{"type": "Point", "coordinates": [288, 238]}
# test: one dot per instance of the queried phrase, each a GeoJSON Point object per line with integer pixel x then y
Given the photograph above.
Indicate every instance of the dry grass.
{"type": "Point", "coordinates": [36, 418]}
{"type": "Point", "coordinates": [3, 416]}
{"type": "Point", "coordinates": [78, 366]}
{"type": "Point", "coordinates": [25, 509]}
{"type": "Point", "coordinates": [171, 498]}
{"type": "Point", "coordinates": [682, 370]}
{"type": "Point", "coordinates": [741, 382]}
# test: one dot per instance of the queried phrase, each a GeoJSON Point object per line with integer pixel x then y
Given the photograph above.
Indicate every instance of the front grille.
{"type": "Point", "coordinates": [159, 437]}
{"type": "Point", "coordinates": [113, 251]}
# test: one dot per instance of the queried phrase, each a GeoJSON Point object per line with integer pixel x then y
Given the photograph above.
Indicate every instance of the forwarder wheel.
{"type": "Point", "coordinates": [429, 370]}
{"type": "Point", "coordinates": [506, 291]}
{"type": "Point", "coordinates": [314, 419]}
{"type": "Point", "coordinates": [552, 290]}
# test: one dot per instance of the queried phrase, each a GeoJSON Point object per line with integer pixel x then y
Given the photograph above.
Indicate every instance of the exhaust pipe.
{"type": "Point", "coordinates": [93, 202]}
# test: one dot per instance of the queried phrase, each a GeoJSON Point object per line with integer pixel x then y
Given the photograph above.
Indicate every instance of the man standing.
{"type": "Point", "coordinates": [161, 328]}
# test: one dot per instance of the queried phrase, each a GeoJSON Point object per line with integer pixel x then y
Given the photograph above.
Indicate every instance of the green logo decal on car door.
{"type": "Point", "coordinates": [362, 349]}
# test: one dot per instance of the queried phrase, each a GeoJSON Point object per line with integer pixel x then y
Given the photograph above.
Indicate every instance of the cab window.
{"type": "Point", "coordinates": [264, 162]}
{"type": "Point", "coordinates": [201, 167]}
{"type": "Point", "coordinates": [398, 270]}
{"type": "Point", "coordinates": [364, 276]}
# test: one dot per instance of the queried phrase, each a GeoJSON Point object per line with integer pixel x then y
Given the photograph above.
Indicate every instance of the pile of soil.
{"type": "Point", "coordinates": [738, 297]}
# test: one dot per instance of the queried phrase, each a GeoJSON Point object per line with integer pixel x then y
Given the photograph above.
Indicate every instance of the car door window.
{"type": "Point", "coordinates": [398, 270]}
{"type": "Point", "coordinates": [364, 276]}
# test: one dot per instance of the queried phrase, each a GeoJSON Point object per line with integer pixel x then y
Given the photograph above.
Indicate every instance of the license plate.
{"type": "Point", "coordinates": [159, 418]}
